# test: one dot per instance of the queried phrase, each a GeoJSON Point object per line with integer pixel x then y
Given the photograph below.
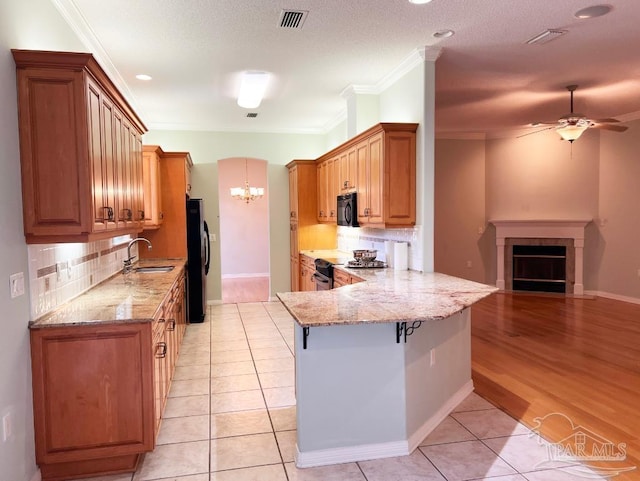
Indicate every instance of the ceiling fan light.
{"type": "Point", "coordinates": [571, 132]}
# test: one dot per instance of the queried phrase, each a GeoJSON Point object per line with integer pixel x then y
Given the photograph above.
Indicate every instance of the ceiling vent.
{"type": "Point", "coordinates": [252, 115]}
{"type": "Point", "coordinates": [292, 18]}
{"type": "Point", "coordinates": [546, 36]}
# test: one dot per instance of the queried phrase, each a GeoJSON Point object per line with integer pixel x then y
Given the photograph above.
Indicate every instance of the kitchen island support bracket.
{"type": "Point", "coordinates": [403, 331]}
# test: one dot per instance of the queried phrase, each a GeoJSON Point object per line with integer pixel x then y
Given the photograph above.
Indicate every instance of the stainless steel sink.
{"type": "Point", "coordinates": [145, 270]}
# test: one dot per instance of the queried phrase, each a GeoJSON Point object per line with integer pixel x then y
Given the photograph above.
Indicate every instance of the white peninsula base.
{"type": "Point", "coordinates": [361, 395]}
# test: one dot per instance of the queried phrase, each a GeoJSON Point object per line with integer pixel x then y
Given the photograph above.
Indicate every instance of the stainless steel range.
{"type": "Point", "coordinates": [323, 276]}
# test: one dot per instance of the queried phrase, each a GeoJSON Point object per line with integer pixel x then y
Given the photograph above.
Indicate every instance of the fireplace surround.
{"type": "Point", "coordinates": [541, 232]}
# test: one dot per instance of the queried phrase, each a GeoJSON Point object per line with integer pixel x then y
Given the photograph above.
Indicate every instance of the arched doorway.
{"type": "Point", "coordinates": [244, 232]}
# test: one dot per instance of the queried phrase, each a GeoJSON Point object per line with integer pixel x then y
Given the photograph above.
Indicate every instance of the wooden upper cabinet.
{"type": "Point", "coordinates": [80, 150]}
{"type": "Point", "coordinates": [151, 182]}
{"type": "Point", "coordinates": [380, 166]}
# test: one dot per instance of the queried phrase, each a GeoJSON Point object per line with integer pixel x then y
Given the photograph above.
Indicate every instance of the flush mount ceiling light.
{"type": "Point", "coordinates": [444, 33]}
{"type": "Point", "coordinates": [143, 76]}
{"type": "Point", "coordinates": [419, 2]}
{"type": "Point", "coordinates": [592, 12]}
{"type": "Point", "coordinates": [252, 89]}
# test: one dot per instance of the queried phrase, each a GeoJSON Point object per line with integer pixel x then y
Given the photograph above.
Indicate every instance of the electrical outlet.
{"type": "Point", "coordinates": [432, 357]}
{"type": "Point", "coordinates": [7, 427]}
{"type": "Point", "coordinates": [469, 264]}
{"type": "Point", "coordinates": [16, 283]}
{"type": "Point", "coordinates": [480, 230]}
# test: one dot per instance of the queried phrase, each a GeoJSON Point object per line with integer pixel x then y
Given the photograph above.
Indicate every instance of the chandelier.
{"type": "Point", "coordinates": [246, 193]}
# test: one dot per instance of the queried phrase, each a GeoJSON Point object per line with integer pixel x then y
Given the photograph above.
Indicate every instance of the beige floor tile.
{"type": "Point", "coordinates": [194, 359]}
{"type": "Point", "coordinates": [274, 365]}
{"type": "Point", "coordinates": [221, 346]}
{"type": "Point", "coordinates": [338, 472]}
{"type": "Point", "coordinates": [277, 379]}
{"type": "Point", "coordinates": [283, 419]}
{"type": "Point", "coordinates": [197, 348]}
{"type": "Point", "coordinates": [448, 431]}
{"type": "Point", "coordinates": [473, 402]}
{"type": "Point", "coordinates": [466, 460]}
{"type": "Point", "coordinates": [186, 406]}
{"type": "Point", "coordinates": [184, 429]}
{"type": "Point", "coordinates": [237, 401]}
{"type": "Point", "coordinates": [174, 460]}
{"type": "Point", "coordinates": [190, 387]}
{"type": "Point", "coordinates": [524, 453]}
{"type": "Point", "coordinates": [272, 333]}
{"type": "Point", "coordinates": [402, 468]}
{"type": "Point", "coordinates": [280, 396]}
{"type": "Point", "coordinates": [273, 472]}
{"type": "Point", "coordinates": [183, 373]}
{"type": "Point", "coordinates": [510, 477]}
{"type": "Point", "coordinates": [575, 473]}
{"type": "Point", "coordinates": [271, 353]}
{"type": "Point", "coordinates": [232, 369]}
{"type": "Point", "coordinates": [266, 343]}
{"type": "Point", "coordinates": [114, 477]}
{"type": "Point", "coordinates": [490, 423]}
{"type": "Point", "coordinates": [287, 444]}
{"type": "Point", "coordinates": [230, 356]}
{"type": "Point", "coordinates": [244, 451]}
{"type": "Point", "coordinates": [240, 423]}
{"type": "Point", "coordinates": [244, 382]}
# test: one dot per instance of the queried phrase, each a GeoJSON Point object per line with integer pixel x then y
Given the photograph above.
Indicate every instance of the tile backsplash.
{"type": "Point", "coordinates": [60, 272]}
{"type": "Point", "coordinates": [350, 238]}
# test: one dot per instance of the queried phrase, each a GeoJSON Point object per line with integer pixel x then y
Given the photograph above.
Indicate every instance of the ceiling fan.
{"type": "Point", "coordinates": [571, 126]}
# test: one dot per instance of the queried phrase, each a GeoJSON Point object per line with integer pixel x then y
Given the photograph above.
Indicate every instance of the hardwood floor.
{"type": "Point", "coordinates": [534, 355]}
{"type": "Point", "coordinates": [245, 289]}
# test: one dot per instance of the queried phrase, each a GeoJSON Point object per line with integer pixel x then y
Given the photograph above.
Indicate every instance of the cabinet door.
{"type": "Point", "coordinates": [293, 193]}
{"type": "Point", "coordinates": [295, 274]}
{"type": "Point", "coordinates": [92, 392]}
{"type": "Point", "coordinates": [158, 376]}
{"type": "Point", "coordinates": [322, 191]}
{"type": "Point", "coordinates": [362, 153]}
{"type": "Point", "coordinates": [332, 184]}
{"type": "Point", "coordinates": [102, 212]}
{"type": "Point", "coordinates": [126, 212]}
{"type": "Point", "coordinates": [109, 162]}
{"type": "Point", "coordinates": [352, 169]}
{"type": "Point", "coordinates": [375, 180]}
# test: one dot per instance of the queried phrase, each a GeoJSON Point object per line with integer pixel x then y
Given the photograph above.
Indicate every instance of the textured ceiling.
{"type": "Point", "coordinates": [487, 79]}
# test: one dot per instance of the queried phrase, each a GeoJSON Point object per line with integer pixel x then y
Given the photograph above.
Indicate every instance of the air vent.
{"type": "Point", "coordinates": [252, 115]}
{"type": "Point", "coordinates": [546, 36]}
{"type": "Point", "coordinates": [292, 18]}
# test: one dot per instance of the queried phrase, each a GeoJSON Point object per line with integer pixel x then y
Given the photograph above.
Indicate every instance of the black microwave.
{"type": "Point", "coordinates": [347, 210]}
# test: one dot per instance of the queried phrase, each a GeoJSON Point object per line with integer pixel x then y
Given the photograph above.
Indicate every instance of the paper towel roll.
{"type": "Point", "coordinates": [400, 256]}
{"type": "Point", "coordinates": [388, 252]}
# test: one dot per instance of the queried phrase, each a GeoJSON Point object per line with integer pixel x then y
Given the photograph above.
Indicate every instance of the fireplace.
{"type": "Point", "coordinates": [540, 255]}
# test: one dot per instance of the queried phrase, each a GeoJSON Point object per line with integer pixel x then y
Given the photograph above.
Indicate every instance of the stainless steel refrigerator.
{"type": "Point", "coordinates": [198, 260]}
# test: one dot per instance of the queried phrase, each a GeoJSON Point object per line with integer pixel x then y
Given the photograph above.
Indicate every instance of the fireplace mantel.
{"type": "Point", "coordinates": [541, 229]}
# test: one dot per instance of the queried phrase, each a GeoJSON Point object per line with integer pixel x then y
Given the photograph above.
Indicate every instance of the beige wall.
{"type": "Point", "coordinates": [616, 252]}
{"type": "Point", "coordinates": [244, 227]}
{"type": "Point", "coordinates": [460, 208]}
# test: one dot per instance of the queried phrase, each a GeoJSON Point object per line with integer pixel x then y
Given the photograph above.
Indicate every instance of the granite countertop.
{"type": "Point", "coordinates": [335, 256]}
{"type": "Point", "coordinates": [121, 298]}
{"type": "Point", "coordinates": [386, 296]}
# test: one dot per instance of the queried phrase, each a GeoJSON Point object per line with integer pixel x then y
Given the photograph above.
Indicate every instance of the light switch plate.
{"type": "Point", "coordinates": [16, 283]}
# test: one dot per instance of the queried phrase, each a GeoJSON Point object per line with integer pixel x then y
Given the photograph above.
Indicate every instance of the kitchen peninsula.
{"type": "Point", "coordinates": [379, 364]}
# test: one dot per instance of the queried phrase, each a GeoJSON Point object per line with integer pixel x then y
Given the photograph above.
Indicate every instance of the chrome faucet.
{"type": "Point", "coordinates": [127, 262]}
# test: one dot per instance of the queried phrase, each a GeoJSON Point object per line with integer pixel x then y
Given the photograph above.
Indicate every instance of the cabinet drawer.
{"type": "Point", "coordinates": [340, 277]}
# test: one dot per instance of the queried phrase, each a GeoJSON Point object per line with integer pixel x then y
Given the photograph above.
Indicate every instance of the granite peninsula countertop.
{"type": "Point", "coordinates": [133, 297]}
{"type": "Point", "coordinates": [386, 296]}
{"type": "Point", "coordinates": [334, 256]}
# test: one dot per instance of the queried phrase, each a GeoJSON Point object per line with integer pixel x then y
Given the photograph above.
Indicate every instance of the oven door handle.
{"type": "Point", "coordinates": [320, 278]}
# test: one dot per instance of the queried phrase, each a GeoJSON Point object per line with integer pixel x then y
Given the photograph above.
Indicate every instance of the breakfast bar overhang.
{"type": "Point", "coordinates": [385, 362]}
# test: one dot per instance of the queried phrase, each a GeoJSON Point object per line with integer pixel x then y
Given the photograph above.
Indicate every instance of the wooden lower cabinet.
{"type": "Point", "coordinates": [307, 269]}
{"type": "Point", "coordinates": [99, 391]}
{"type": "Point", "coordinates": [342, 278]}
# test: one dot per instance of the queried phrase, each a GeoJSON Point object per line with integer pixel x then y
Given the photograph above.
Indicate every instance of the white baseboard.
{"type": "Point", "coordinates": [423, 431]}
{"type": "Point", "coordinates": [350, 454]}
{"type": "Point", "coordinates": [245, 276]}
{"type": "Point", "coordinates": [616, 297]}
{"type": "Point", "coordinates": [36, 476]}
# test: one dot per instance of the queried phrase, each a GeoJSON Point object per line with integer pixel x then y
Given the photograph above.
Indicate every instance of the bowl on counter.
{"type": "Point", "coordinates": [365, 255]}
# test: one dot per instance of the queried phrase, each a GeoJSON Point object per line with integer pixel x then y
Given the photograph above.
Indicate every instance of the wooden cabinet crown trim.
{"type": "Point", "coordinates": [79, 62]}
{"type": "Point", "coordinates": [371, 131]}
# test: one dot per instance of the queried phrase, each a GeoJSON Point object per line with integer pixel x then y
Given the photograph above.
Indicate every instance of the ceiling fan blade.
{"type": "Point", "coordinates": [614, 128]}
{"type": "Point", "coordinates": [535, 131]}
{"type": "Point", "coordinates": [605, 121]}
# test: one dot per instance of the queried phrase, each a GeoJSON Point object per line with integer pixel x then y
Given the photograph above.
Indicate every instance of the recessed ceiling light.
{"type": "Point", "coordinates": [594, 11]}
{"type": "Point", "coordinates": [143, 76]}
{"type": "Point", "coordinates": [444, 33]}
{"type": "Point", "coordinates": [419, 2]}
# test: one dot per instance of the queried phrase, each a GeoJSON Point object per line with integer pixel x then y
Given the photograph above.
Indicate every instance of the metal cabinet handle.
{"type": "Point", "coordinates": [128, 215]}
{"type": "Point", "coordinates": [109, 213]}
{"type": "Point", "coordinates": [171, 326]}
{"type": "Point", "coordinates": [163, 350]}
{"type": "Point", "coordinates": [161, 215]}
{"type": "Point", "coordinates": [141, 212]}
